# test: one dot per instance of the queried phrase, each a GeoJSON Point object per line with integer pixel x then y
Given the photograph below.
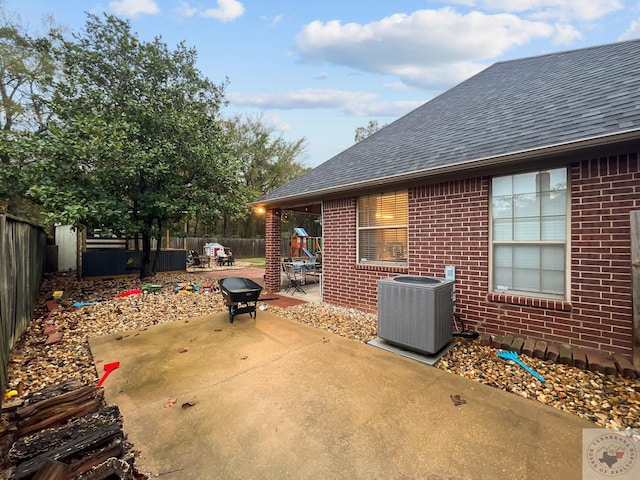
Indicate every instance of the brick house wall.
{"type": "Point", "coordinates": [449, 225]}
{"type": "Point", "coordinates": [604, 191]}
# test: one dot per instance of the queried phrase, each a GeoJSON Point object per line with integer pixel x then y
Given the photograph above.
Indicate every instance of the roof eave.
{"type": "Point", "coordinates": [513, 157]}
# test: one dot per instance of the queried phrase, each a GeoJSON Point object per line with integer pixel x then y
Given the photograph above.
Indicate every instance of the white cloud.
{"type": "Point", "coordinates": [383, 109]}
{"type": "Point", "coordinates": [227, 10]}
{"type": "Point", "coordinates": [563, 10]}
{"type": "Point", "coordinates": [276, 122]}
{"type": "Point", "coordinates": [632, 32]}
{"type": "Point", "coordinates": [185, 10]}
{"type": "Point", "coordinates": [273, 21]}
{"type": "Point", "coordinates": [430, 48]}
{"type": "Point", "coordinates": [349, 102]}
{"type": "Point", "coordinates": [307, 98]}
{"type": "Point", "coordinates": [396, 86]}
{"type": "Point", "coordinates": [133, 8]}
{"type": "Point", "coordinates": [566, 34]}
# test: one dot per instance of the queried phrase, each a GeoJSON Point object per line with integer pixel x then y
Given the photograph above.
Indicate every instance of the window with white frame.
{"type": "Point", "coordinates": [529, 233]}
{"type": "Point", "coordinates": [382, 228]}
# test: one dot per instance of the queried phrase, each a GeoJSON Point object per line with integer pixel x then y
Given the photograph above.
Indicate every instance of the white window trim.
{"type": "Point", "coordinates": [567, 243]}
{"type": "Point", "coordinates": [387, 263]}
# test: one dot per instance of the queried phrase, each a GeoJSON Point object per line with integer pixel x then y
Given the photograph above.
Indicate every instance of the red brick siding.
{"type": "Point", "coordinates": [449, 225]}
{"type": "Point", "coordinates": [341, 286]}
{"type": "Point", "coordinates": [345, 283]}
{"type": "Point", "coordinates": [272, 251]}
{"type": "Point", "coordinates": [603, 192]}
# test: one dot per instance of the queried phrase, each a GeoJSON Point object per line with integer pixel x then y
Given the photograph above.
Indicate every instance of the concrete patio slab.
{"type": "Point", "coordinates": [271, 398]}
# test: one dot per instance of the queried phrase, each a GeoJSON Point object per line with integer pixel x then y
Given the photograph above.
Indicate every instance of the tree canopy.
{"type": "Point", "coordinates": [364, 132]}
{"type": "Point", "coordinates": [104, 130]}
{"type": "Point", "coordinates": [267, 161]}
{"type": "Point", "coordinates": [135, 143]}
{"type": "Point", "coordinates": [26, 68]}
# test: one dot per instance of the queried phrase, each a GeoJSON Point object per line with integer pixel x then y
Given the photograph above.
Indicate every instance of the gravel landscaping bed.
{"type": "Point", "coordinates": [608, 401]}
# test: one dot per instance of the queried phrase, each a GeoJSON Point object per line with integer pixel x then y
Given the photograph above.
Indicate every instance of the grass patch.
{"type": "Point", "coordinates": [259, 262]}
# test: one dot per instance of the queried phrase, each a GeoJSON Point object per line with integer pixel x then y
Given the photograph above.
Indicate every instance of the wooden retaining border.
{"type": "Point", "coordinates": [563, 353]}
{"type": "Point", "coordinates": [65, 432]}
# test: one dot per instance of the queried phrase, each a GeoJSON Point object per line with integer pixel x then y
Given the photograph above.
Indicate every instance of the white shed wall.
{"type": "Point", "coordinates": [66, 241]}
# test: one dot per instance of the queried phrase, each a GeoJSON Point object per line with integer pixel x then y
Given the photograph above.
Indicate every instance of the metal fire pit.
{"type": "Point", "coordinates": [240, 295]}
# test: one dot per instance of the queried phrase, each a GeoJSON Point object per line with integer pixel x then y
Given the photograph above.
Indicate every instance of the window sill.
{"type": "Point", "coordinates": [534, 302]}
{"type": "Point", "coordinates": [382, 268]}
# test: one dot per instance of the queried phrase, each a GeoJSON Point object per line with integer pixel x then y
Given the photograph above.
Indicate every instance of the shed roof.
{"type": "Point", "coordinates": [559, 101]}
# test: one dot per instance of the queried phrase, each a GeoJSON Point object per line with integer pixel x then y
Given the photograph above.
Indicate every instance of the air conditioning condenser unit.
{"type": "Point", "coordinates": [415, 312]}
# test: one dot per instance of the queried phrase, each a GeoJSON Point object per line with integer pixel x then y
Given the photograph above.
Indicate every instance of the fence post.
{"type": "Point", "coordinates": [635, 284]}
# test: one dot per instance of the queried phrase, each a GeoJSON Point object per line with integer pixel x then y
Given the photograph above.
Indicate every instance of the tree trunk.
{"type": "Point", "coordinates": [154, 267]}
{"type": "Point", "coordinates": [145, 261]}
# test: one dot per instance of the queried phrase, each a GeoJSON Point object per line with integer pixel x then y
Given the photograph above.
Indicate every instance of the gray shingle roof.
{"type": "Point", "coordinates": [512, 106]}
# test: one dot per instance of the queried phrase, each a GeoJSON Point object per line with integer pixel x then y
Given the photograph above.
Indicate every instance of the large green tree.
{"type": "Point", "coordinates": [267, 161]}
{"type": "Point", "coordinates": [364, 132]}
{"type": "Point", "coordinates": [26, 70]}
{"type": "Point", "coordinates": [136, 143]}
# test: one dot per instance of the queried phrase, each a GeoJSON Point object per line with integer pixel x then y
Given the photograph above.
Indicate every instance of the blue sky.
{"type": "Point", "coordinates": [319, 70]}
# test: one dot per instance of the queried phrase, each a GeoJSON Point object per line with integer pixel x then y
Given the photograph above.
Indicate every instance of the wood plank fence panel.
{"type": "Point", "coordinates": [241, 247]}
{"type": "Point", "coordinates": [635, 272]}
{"type": "Point", "coordinates": [22, 250]}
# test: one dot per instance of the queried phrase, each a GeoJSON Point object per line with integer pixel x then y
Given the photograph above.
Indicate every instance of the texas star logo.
{"type": "Point", "coordinates": [612, 454]}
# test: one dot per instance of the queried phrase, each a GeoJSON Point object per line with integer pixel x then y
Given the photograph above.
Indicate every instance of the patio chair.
{"type": "Point", "coordinates": [311, 273]}
{"type": "Point", "coordinates": [295, 280]}
{"type": "Point", "coordinates": [193, 259]}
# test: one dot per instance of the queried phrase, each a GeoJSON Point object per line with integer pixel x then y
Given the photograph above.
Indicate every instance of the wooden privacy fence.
{"type": "Point", "coordinates": [22, 248]}
{"type": "Point", "coordinates": [635, 275]}
{"type": "Point", "coordinates": [241, 247]}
